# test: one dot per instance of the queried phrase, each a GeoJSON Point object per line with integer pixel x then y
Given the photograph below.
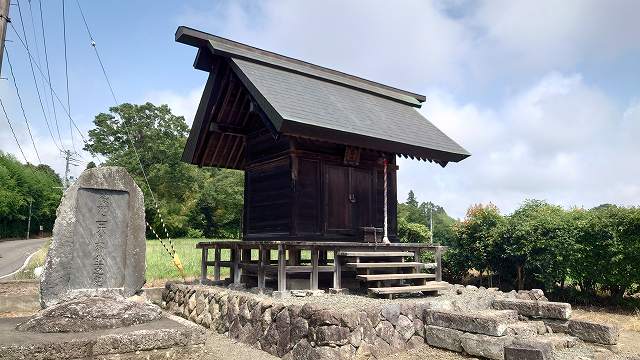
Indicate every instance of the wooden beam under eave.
{"type": "Point", "coordinates": [232, 112]}
{"type": "Point", "coordinates": [212, 160]}
{"type": "Point", "coordinates": [221, 74]}
{"type": "Point", "coordinates": [229, 159]}
{"type": "Point", "coordinates": [239, 161]}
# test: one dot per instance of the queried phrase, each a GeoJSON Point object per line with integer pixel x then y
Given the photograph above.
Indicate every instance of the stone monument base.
{"type": "Point", "coordinates": [163, 338]}
{"type": "Point", "coordinates": [89, 313]}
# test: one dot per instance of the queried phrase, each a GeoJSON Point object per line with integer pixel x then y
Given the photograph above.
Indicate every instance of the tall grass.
{"type": "Point", "coordinates": [160, 265]}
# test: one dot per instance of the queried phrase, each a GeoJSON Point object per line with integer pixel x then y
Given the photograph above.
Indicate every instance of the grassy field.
{"type": "Point", "coordinates": [159, 265]}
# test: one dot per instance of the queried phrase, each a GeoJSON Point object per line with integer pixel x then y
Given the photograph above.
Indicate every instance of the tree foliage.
{"type": "Point", "coordinates": [20, 185]}
{"type": "Point", "coordinates": [539, 245]}
{"type": "Point", "coordinates": [189, 198]}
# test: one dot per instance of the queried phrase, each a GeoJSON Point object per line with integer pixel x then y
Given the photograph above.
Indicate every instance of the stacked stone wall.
{"type": "Point", "coordinates": [300, 331]}
{"type": "Point", "coordinates": [292, 330]}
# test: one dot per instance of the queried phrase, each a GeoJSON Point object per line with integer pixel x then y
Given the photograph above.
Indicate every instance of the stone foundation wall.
{"type": "Point", "coordinates": [300, 331]}
{"type": "Point", "coordinates": [506, 327]}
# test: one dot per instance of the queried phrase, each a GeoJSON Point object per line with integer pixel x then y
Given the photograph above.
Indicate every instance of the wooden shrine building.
{"type": "Point", "coordinates": [318, 147]}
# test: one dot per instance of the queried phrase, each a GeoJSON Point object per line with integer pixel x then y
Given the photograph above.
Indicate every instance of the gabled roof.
{"type": "Point", "coordinates": [307, 100]}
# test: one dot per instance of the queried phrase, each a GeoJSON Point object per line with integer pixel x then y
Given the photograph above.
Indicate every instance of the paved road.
{"type": "Point", "coordinates": [14, 253]}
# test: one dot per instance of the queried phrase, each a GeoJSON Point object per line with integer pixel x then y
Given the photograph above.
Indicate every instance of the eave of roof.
{"type": "Point", "coordinates": [228, 48]}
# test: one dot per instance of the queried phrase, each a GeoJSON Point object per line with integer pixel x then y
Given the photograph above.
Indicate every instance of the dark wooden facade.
{"type": "Point", "coordinates": [301, 189]}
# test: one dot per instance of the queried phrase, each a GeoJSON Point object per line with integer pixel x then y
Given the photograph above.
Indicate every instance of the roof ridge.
{"type": "Point", "coordinates": [233, 48]}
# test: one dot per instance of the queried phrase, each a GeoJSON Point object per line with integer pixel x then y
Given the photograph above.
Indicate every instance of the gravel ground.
{"type": "Point", "coordinates": [467, 300]}
{"type": "Point", "coordinates": [19, 287]}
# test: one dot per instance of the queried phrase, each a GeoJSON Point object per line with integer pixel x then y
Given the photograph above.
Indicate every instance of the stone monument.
{"type": "Point", "coordinates": [92, 275]}
{"type": "Point", "coordinates": [98, 245]}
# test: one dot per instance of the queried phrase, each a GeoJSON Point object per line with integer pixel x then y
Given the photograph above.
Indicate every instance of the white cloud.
{"type": "Point", "coordinates": [408, 45]}
{"type": "Point", "coordinates": [180, 104]}
{"type": "Point", "coordinates": [552, 34]}
{"type": "Point", "coordinates": [560, 140]}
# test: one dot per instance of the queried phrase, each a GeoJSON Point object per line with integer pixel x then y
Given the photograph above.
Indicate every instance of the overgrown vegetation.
{"type": "Point", "coordinates": [575, 253]}
{"type": "Point", "coordinates": [21, 185]}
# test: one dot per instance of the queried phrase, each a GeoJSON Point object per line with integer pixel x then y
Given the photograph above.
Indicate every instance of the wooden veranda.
{"type": "Point", "coordinates": [260, 260]}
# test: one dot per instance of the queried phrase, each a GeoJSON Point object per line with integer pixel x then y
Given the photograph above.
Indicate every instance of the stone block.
{"type": "Point", "coordinates": [588, 331]}
{"type": "Point", "coordinates": [489, 322]}
{"type": "Point", "coordinates": [443, 338]}
{"type": "Point", "coordinates": [490, 347]}
{"type": "Point", "coordinates": [535, 308]}
{"type": "Point", "coordinates": [405, 327]}
{"type": "Point", "coordinates": [557, 326]}
{"type": "Point", "coordinates": [529, 349]}
{"type": "Point", "coordinates": [391, 312]}
{"type": "Point", "coordinates": [524, 328]}
{"type": "Point", "coordinates": [98, 238]}
{"type": "Point", "coordinates": [332, 335]}
{"type": "Point", "coordinates": [518, 353]}
{"type": "Point", "coordinates": [91, 313]}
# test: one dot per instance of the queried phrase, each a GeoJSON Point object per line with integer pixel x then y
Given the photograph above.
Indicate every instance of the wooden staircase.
{"type": "Point", "coordinates": [388, 273]}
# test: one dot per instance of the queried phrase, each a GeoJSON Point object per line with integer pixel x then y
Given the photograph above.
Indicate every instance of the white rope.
{"type": "Point", "coordinates": [385, 238]}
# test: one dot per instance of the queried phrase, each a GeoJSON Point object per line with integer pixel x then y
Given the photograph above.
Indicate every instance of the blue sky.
{"type": "Point", "coordinates": [544, 94]}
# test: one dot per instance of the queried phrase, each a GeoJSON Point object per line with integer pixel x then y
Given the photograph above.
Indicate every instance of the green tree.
{"type": "Point", "coordinates": [537, 243]}
{"type": "Point", "coordinates": [475, 239]}
{"type": "Point", "coordinates": [159, 138]}
{"type": "Point", "coordinates": [21, 185]}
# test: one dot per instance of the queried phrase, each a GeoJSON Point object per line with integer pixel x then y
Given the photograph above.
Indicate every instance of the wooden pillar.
{"type": "Point", "coordinates": [295, 256]}
{"type": "Point", "coordinates": [262, 259]}
{"type": "Point", "coordinates": [216, 264]}
{"type": "Point", "coordinates": [282, 268]}
{"type": "Point", "coordinates": [203, 268]}
{"type": "Point", "coordinates": [323, 257]}
{"type": "Point", "coordinates": [314, 268]}
{"type": "Point", "coordinates": [337, 270]}
{"type": "Point", "coordinates": [438, 256]}
{"type": "Point", "coordinates": [236, 265]}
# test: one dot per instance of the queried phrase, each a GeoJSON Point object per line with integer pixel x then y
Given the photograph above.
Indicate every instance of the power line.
{"type": "Point", "coordinates": [46, 60]}
{"type": "Point", "coordinates": [128, 131]}
{"type": "Point", "coordinates": [75, 125]}
{"type": "Point", "coordinates": [24, 113]}
{"type": "Point", "coordinates": [35, 81]}
{"type": "Point", "coordinates": [66, 68]}
{"type": "Point", "coordinates": [12, 131]}
{"type": "Point", "coordinates": [35, 42]}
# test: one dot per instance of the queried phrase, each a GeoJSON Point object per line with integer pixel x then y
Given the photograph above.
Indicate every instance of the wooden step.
{"type": "Point", "coordinates": [375, 253]}
{"type": "Point", "coordinates": [384, 265]}
{"type": "Point", "coordinates": [381, 277]}
{"type": "Point", "coordinates": [430, 286]}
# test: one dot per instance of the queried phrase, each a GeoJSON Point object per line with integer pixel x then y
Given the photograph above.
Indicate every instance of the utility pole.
{"type": "Point", "coordinates": [70, 160]}
{"type": "Point", "coordinates": [4, 20]}
{"type": "Point", "coordinates": [29, 222]}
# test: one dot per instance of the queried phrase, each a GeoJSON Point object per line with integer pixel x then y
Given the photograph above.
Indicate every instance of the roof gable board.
{"type": "Point", "coordinates": [229, 48]}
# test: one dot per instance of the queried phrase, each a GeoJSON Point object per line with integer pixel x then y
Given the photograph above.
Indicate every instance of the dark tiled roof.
{"type": "Point", "coordinates": [308, 100]}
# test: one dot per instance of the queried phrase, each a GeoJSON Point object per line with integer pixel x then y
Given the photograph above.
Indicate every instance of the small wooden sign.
{"type": "Point", "coordinates": [351, 156]}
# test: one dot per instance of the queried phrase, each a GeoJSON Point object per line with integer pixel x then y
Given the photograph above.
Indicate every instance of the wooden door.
{"type": "Point", "coordinates": [361, 186]}
{"type": "Point", "coordinates": [338, 207]}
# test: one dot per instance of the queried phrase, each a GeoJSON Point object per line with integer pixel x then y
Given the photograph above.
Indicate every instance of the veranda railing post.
{"type": "Point", "coordinates": [216, 263]}
{"type": "Point", "coordinates": [261, 265]}
{"type": "Point", "coordinates": [438, 256]}
{"type": "Point", "coordinates": [337, 270]}
{"type": "Point", "coordinates": [314, 267]}
{"type": "Point", "coordinates": [203, 265]}
{"type": "Point", "coordinates": [282, 268]}
{"type": "Point", "coordinates": [236, 265]}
